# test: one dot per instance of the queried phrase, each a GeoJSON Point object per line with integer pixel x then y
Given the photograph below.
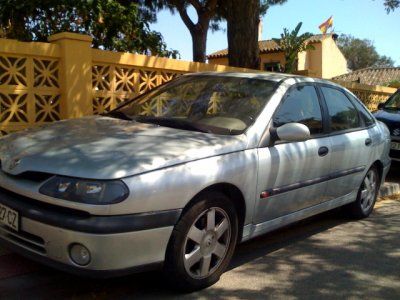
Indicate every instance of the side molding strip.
{"type": "Point", "coordinates": [301, 184]}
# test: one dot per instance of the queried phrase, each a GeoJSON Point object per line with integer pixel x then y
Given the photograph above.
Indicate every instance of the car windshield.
{"type": "Point", "coordinates": [214, 104]}
{"type": "Point", "coordinates": [393, 102]}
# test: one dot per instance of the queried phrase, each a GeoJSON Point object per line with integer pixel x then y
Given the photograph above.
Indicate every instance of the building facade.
{"type": "Point", "coordinates": [324, 61]}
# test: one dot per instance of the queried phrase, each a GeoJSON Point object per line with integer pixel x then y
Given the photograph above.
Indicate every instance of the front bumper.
{"type": "Point", "coordinates": [395, 154]}
{"type": "Point", "coordinates": [117, 244]}
{"type": "Point", "coordinates": [385, 171]}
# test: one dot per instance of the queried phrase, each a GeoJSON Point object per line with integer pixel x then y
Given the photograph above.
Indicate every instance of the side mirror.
{"type": "Point", "coordinates": [293, 132]}
{"type": "Point", "coordinates": [381, 105]}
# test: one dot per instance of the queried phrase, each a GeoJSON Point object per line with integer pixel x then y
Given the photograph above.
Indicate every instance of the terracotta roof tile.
{"type": "Point", "coordinates": [372, 76]}
{"type": "Point", "coordinates": [266, 46]}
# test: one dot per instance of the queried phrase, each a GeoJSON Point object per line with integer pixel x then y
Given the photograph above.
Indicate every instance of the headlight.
{"type": "Point", "coordinates": [85, 191]}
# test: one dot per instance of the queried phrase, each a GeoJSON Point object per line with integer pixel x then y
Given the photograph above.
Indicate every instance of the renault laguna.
{"type": "Point", "coordinates": [225, 157]}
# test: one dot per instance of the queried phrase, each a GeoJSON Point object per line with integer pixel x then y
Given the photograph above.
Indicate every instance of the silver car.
{"type": "Point", "coordinates": [227, 157]}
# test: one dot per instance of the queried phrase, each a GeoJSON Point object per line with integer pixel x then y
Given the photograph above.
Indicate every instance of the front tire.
{"type": "Point", "coordinates": [202, 243]}
{"type": "Point", "coordinates": [367, 195]}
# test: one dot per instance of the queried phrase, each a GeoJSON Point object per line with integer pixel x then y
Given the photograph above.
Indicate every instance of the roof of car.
{"type": "Point", "coordinates": [265, 76]}
{"type": "Point", "coordinates": [250, 74]}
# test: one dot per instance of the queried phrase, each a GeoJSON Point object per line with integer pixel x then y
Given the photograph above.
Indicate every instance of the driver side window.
{"type": "Point", "coordinates": [300, 105]}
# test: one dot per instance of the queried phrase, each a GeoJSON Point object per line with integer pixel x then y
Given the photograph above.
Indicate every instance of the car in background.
{"type": "Point", "coordinates": [389, 113]}
{"type": "Point", "coordinates": [229, 156]}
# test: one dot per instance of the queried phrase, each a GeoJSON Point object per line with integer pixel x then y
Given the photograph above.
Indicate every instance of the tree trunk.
{"type": "Point", "coordinates": [243, 17]}
{"type": "Point", "coordinates": [18, 30]}
{"type": "Point", "coordinates": [199, 43]}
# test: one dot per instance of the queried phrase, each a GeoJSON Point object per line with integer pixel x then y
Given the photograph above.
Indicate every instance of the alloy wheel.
{"type": "Point", "coordinates": [207, 243]}
{"type": "Point", "coordinates": [369, 190]}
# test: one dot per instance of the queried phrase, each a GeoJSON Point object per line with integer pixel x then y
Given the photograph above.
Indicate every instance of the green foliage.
{"type": "Point", "coordinates": [292, 44]}
{"type": "Point", "coordinates": [362, 53]}
{"type": "Point", "coordinates": [391, 5]}
{"type": "Point", "coordinates": [114, 25]}
{"type": "Point", "coordinates": [394, 83]}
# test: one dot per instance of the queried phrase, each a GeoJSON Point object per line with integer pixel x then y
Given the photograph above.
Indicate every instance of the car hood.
{"type": "Point", "coordinates": [388, 115]}
{"type": "Point", "coordinates": [107, 148]}
{"type": "Point", "coordinates": [391, 118]}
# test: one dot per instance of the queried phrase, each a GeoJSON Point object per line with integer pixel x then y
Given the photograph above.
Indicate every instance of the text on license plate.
{"type": "Point", "coordinates": [9, 217]}
{"type": "Point", "coordinates": [395, 146]}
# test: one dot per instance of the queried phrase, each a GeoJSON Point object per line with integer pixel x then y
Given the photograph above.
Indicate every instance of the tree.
{"type": "Point", "coordinates": [362, 53]}
{"type": "Point", "coordinates": [292, 44]}
{"type": "Point", "coordinates": [205, 9]}
{"type": "Point", "coordinates": [391, 5]}
{"type": "Point", "coordinates": [114, 25]}
{"type": "Point", "coordinates": [210, 13]}
{"type": "Point", "coordinates": [243, 17]}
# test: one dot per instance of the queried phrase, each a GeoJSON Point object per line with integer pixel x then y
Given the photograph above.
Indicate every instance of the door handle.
{"type": "Point", "coordinates": [323, 151]}
{"type": "Point", "coordinates": [368, 142]}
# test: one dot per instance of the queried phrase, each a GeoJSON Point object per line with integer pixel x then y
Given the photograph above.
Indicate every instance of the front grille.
{"type": "Point", "coordinates": [394, 154]}
{"type": "Point", "coordinates": [33, 176]}
{"type": "Point", "coordinates": [38, 205]}
{"type": "Point", "coordinates": [395, 131]}
{"type": "Point", "coordinates": [30, 175]}
{"type": "Point", "coordinates": [23, 239]}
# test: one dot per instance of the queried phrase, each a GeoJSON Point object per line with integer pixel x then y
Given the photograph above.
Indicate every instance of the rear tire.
{"type": "Point", "coordinates": [367, 195]}
{"type": "Point", "coordinates": [202, 243]}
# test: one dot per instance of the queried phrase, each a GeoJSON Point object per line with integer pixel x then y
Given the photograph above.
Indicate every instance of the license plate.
{"type": "Point", "coordinates": [9, 217]}
{"type": "Point", "coordinates": [395, 146]}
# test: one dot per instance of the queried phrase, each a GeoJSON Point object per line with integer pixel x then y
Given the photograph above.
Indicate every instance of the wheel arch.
{"type": "Point", "coordinates": [379, 165]}
{"type": "Point", "coordinates": [233, 193]}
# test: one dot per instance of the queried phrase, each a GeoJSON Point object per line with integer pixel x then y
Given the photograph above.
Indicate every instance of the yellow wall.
{"type": "Point", "coordinates": [311, 61]}
{"type": "Point", "coordinates": [219, 61]}
{"type": "Point", "coordinates": [333, 61]}
{"type": "Point", "coordinates": [66, 78]}
{"type": "Point", "coordinates": [272, 58]}
{"type": "Point", "coordinates": [265, 58]}
{"type": "Point", "coordinates": [325, 61]}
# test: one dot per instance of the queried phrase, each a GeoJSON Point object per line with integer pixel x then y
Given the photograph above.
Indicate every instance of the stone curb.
{"type": "Point", "coordinates": [389, 189]}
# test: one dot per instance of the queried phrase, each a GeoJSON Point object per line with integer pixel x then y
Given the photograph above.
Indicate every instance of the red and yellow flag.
{"type": "Point", "coordinates": [326, 25]}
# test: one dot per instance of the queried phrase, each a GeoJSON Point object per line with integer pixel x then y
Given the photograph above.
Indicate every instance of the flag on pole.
{"type": "Point", "coordinates": [326, 25]}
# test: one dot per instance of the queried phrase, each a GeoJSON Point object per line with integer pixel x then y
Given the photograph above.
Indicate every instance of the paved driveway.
{"type": "Point", "coordinates": [327, 256]}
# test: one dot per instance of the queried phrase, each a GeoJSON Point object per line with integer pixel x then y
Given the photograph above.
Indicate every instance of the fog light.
{"type": "Point", "coordinates": [79, 254]}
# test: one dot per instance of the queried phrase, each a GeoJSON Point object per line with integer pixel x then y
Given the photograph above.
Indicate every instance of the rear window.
{"type": "Point", "coordinates": [366, 116]}
{"type": "Point", "coordinates": [343, 115]}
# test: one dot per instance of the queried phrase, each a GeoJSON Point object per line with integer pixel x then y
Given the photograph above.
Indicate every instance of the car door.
{"type": "Point", "coordinates": [351, 143]}
{"type": "Point", "coordinates": [291, 174]}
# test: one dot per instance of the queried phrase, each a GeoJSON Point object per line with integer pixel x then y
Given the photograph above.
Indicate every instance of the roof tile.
{"type": "Point", "coordinates": [372, 76]}
{"type": "Point", "coordinates": [267, 46]}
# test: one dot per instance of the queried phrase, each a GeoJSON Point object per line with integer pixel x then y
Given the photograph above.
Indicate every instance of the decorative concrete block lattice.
{"type": "Point", "coordinates": [29, 92]}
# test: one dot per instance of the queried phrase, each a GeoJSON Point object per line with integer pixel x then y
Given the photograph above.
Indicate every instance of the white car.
{"type": "Point", "coordinates": [231, 157]}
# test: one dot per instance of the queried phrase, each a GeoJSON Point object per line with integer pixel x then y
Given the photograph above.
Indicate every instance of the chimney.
{"type": "Point", "coordinates": [260, 29]}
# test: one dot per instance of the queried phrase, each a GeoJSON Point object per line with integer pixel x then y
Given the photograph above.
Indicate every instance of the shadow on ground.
{"type": "Point", "coordinates": [326, 256]}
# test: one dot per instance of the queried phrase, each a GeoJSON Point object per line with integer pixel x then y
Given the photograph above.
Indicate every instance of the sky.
{"type": "Point", "coordinates": [360, 18]}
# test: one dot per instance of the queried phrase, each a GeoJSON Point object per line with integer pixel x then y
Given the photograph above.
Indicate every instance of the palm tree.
{"type": "Point", "coordinates": [292, 44]}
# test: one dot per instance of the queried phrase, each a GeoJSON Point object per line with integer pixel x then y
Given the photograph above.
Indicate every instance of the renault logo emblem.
{"type": "Point", "coordinates": [14, 163]}
{"type": "Point", "coordinates": [396, 131]}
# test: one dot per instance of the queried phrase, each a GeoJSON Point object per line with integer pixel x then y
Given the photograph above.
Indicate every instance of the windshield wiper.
{"type": "Point", "coordinates": [173, 122]}
{"type": "Point", "coordinates": [186, 125]}
{"type": "Point", "coordinates": [118, 114]}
